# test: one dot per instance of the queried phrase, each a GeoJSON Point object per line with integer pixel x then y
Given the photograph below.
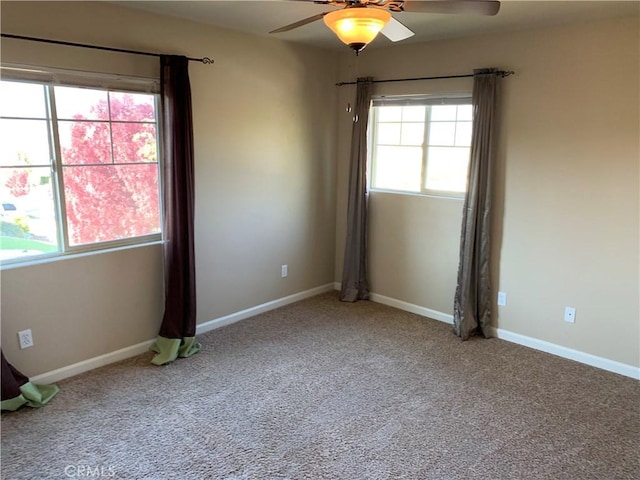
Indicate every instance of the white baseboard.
{"type": "Point", "coordinates": [410, 307]}
{"type": "Point", "coordinates": [265, 307]}
{"type": "Point", "coordinates": [541, 345]}
{"type": "Point", "coordinates": [564, 352]}
{"type": "Point", "coordinates": [132, 351]}
{"type": "Point", "coordinates": [92, 363]}
{"type": "Point", "coordinates": [406, 306]}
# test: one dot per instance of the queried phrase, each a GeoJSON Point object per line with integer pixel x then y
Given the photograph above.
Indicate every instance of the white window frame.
{"type": "Point", "coordinates": [413, 100]}
{"type": "Point", "coordinates": [51, 78]}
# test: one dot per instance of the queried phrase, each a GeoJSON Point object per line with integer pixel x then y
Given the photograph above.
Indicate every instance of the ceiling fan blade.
{"type": "Point", "coordinates": [396, 31]}
{"type": "Point", "coordinates": [473, 7]}
{"type": "Point", "coordinates": [339, 3]}
{"type": "Point", "coordinates": [299, 23]}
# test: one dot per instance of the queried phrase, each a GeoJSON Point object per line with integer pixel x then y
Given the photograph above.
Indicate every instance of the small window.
{"type": "Point", "coordinates": [420, 145]}
{"type": "Point", "coordinates": [78, 169]}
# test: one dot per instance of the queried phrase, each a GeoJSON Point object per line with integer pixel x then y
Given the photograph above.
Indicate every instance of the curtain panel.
{"type": "Point", "coordinates": [355, 284]}
{"type": "Point", "coordinates": [17, 390]}
{"type": "Point", "coordinates": [473, 299]}
{"type": "Point", "coordinates": [177, 332]}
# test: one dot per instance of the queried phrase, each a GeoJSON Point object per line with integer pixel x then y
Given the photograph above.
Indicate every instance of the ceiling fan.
{"type": "Point", "coordinates": [360, 21]}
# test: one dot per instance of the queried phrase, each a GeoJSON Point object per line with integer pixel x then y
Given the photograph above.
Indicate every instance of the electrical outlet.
{"type": "Point", "coordinates": [25, 338]}
{"type": "Point", "coordinates": [284, 271]}
{"type": "Point", "coordinates": [502, 299]}
{"type": "Point", "coordinates": [570, 314]}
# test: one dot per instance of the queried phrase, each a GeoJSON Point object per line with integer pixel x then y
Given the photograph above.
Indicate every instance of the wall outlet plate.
{"type": "Point", "coordinates": [502, 299]}
{"type": "Point", "coordinates": [570, 315]}
{"type": "Point", "coordinates": [25, 337]}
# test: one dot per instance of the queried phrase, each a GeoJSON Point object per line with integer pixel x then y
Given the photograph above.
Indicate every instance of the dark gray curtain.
{"type": "Point", "coordinates": [177, 332]}
{"type": "Point", "coordinates": [473, 300]}
{"type": "Point", "coordinates": [355, 285]}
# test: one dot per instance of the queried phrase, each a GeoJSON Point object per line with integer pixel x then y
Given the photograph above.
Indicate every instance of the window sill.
{"type": "Point", "coordinates": [71, 255]}
{"type": "Point", "coordinates": [443, 195]}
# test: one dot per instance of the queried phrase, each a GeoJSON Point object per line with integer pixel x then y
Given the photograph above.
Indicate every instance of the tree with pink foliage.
{"type": "Point", "coordinates": [110, 172]}
{"type": "Point", "coordinates": [18, 183]}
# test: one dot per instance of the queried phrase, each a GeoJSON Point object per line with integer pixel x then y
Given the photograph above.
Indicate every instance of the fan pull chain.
{"type": "Point", "coordinates": [349, 109]}
{"type": "Point", "coordinates": [355, 92]}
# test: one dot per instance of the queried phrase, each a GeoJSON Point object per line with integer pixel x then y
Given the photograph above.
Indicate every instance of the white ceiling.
{"type": "Point", "coordinates": [260, 17]}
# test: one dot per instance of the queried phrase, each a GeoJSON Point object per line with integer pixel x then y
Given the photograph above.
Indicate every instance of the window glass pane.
{"type": "Point", "coordinates": [133, 107]}
{"type": "Point", "coordinates": [442, 133]}
{"type": "Point", "coordinates": [81, 104]}
{"type": "Point", "coordinates": [24, 100]}
{"type": "Point", "coordinates": [134, 142]}
{"type": "Point", "coordinates": [388, 133]}
{"type": "Point", "coordinates": [447, 168]}
{"type": "Point", "coordinates": [398, 165]}
{"type": "Point", "coordinates": [412, 133]}
{"type": "Point", "coordinates": [413, 113]}
{"type": "Point", "coordinates": [104, 201]}
{"type": "Point", "coordinates": [111, 202]}
{"type": "Point", "coordinates": [27, 213]}
{"type": "Point", "coordinates": [398, 168]}
{"type": "Point", "coordinates": [84, 142]}
{"type": "Point", "coordinates": [443, 112]}
{"type": "Point", "coordinates": [24, 142]}
{"type": "Point", "coordinates": [465, 112]}
{"type": "Point", "coordinates": [463, 134]}
{"type": "Point", "coordinates": [389, 114]}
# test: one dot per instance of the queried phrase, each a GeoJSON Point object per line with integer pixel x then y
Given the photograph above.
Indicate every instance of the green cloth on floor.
{"type": "Point", "coordinates": [169, 349]}
{"type": "Point", "coordinates": [32, 395]}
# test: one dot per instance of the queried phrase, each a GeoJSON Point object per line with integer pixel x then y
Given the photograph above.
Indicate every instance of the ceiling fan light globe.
{"type": "Point", "coordinates": [357, 26]}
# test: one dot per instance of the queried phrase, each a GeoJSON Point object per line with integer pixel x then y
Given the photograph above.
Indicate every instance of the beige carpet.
{"type": "Point", "coordinates": [326, 390]}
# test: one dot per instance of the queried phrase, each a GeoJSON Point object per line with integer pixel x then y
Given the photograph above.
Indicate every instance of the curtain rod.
{"type": "Point", "coordinates": [502, 73]}
{"type": "Point", "coordinates": [205, 60]}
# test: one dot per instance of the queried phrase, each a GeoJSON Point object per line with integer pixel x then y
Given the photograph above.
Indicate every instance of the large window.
{"type": "Point", "coordinates": [78, 169]}
{"type": "Point", "coordinates": [420, 145]}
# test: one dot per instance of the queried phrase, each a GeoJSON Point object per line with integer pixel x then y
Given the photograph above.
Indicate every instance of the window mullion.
{"type": "Point", "coordinates": [56, 165]}
{"type": "Point", "coordinates": [455, 128]}
{"type": "Point", "coordinates": [160, 160]}
{"type": "Point", "coordinates": [113, 162]}
{"type": "Point", "coordinates": [425, 148]}
{"type": "Point", "coordinates": [372, 151]}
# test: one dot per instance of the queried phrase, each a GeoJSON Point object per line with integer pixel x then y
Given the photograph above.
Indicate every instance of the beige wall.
{"type": "Point", "coordinates": [265, 193]}
{"type": "Point", "coordinates": [269, 193]}
{"type": "Point", "coordinates": [81, 308]}
{"type": "Point", "coordinates": [567, 185]}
